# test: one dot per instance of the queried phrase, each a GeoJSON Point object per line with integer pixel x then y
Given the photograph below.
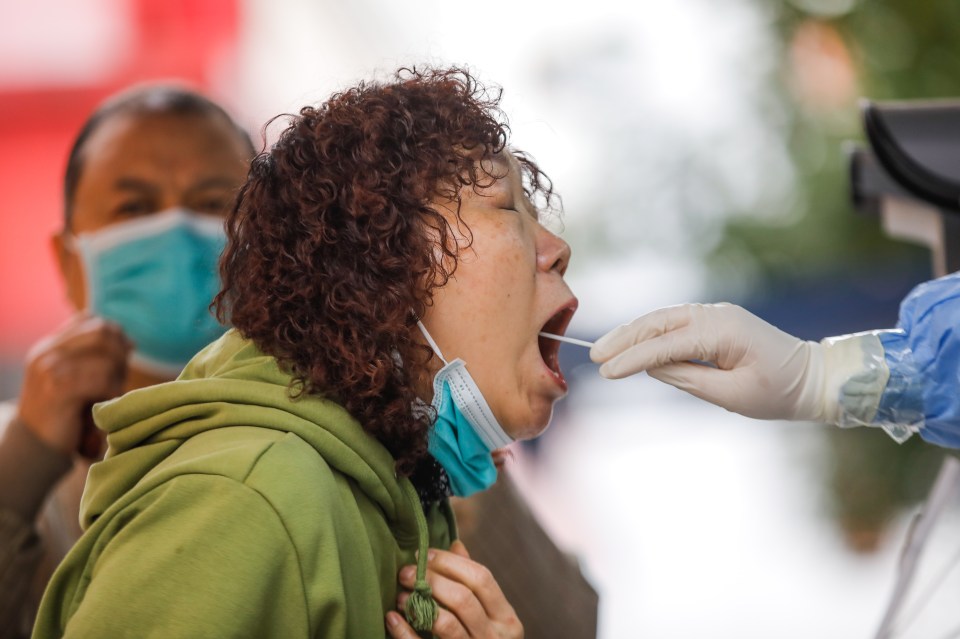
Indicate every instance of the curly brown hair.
{"type": "Point", "coordinates": [334, 250]}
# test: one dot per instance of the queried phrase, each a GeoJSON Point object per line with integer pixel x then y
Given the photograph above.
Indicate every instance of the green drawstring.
{"type": "Point", "coordinates": [421, 609]}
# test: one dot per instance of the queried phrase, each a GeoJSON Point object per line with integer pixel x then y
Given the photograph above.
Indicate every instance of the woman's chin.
{"type": "Point", "coordinates": [533, 426]}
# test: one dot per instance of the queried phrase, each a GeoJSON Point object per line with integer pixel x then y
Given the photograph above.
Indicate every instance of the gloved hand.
{"type": "Point", "coordinates": [749, 367]}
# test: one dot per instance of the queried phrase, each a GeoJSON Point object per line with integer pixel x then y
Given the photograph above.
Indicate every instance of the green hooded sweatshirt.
{"type": "Point", "coordinates": [226, 509]}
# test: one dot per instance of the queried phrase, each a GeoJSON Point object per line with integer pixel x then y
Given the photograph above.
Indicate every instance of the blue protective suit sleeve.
{"type": "Point", "coordinates": [923, 356]}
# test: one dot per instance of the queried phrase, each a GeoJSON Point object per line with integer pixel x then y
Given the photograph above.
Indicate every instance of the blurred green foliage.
{"type": "Point", "coordinates": [870, 478]}
{"type": "Point", "coordinates": [897, 50]}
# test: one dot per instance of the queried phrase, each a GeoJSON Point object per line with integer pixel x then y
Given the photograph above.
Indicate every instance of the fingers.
{"type": "Point", "coordinates": [463, 605]}
{"type": "Point", "coordinates": [85, 360]}
{"type": "Point", "coordinates": [398, 627]}
{"type": "Point", "coordinates": [471, 602]}
{"type": "Point", "coordinates": [447, 624]}
{"type": "Point", "coordinates": [453, 576]}
{"type": "Point", "coordinates": [84, 334]}
{"type": "Point", "coordinates": [672, 348]}
{"type": "Point", "coordinates": [459, 568]}
{"type": "Point", "coordinates": [723, 388]}
{"type": "Point", "coordinates": [90, 378]}
{"type": "Point", "coordinates": [82, 363]}
{"type": "Point", "coordinates": [696, 379]}
{"type": "Point", "coordinates": [97, 378]}
{"type": "Point", "coordinates": [458, 548]}
{"type": "Point", "coordinates": [643, 328]}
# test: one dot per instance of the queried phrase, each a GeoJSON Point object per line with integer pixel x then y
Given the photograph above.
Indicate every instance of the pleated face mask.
{"type": "Point", "coordinates": [465, 431]}
{"type": "Point", "coordinates": [156, 276]}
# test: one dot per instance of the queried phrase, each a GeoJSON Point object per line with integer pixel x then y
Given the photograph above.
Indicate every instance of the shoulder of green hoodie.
{"type": "Point", "coordinates": [236, 514]}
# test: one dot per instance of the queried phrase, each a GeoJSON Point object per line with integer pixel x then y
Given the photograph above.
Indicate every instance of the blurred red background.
{"type": "Point", "coordinates": [45, 95]}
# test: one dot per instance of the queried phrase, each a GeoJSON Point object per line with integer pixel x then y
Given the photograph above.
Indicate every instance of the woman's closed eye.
{"type": "Point", "coordinates": [522, 210]}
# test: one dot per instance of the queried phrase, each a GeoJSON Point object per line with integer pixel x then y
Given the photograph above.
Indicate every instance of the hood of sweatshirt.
{"type": "Point", "coordinates": [232, 383]}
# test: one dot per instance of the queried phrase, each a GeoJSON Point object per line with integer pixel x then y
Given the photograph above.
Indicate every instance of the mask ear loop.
{"type": "Point", "coordinates": [72, 243]}
{"type": "Point", "coordinates": [433, 344]}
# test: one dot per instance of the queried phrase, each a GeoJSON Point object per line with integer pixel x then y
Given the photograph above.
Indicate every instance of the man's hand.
{"type": "Point", "coordinates": [84, 362]}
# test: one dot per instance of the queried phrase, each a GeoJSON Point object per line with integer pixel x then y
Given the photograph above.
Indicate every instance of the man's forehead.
{"type": "Point", "coordinates": [144, 132]}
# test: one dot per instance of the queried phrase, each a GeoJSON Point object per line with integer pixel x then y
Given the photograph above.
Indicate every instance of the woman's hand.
{"type": "Point", "coordinates": [471, 602]}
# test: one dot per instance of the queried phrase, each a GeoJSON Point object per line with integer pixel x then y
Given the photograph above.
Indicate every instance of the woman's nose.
{"type": "Point", "coordinates": [553, 254]}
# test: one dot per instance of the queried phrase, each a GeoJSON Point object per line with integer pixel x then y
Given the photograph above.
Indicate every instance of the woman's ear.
{"type": "Point", "coordinates": [71, 269]}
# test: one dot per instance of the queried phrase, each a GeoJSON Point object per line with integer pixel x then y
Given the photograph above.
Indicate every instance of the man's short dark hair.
{"type": "Point", "coordinates": [153, 99]}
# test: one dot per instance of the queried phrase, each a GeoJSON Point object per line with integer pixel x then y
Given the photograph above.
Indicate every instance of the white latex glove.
{"type": "Point", "coordinates": [760, 371]}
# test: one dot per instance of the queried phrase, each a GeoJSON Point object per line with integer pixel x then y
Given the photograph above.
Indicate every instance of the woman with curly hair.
{"type": "Point", "coordinates": [293, 481]}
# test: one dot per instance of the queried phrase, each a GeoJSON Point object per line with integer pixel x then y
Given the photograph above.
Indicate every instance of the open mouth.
{"type": "Point", "coordinates": [550, 348]}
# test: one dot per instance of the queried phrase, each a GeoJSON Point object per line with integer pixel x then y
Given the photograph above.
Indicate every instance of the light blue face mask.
{"type": "Point", "coordinates": [466, 432]}
{"type": "Point", "coordinates": [155, 276]}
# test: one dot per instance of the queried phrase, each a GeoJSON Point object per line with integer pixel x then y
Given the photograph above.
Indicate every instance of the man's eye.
{"type": "Point", "coordinates": [135, 207]}
{"type": "Point", "coordinates": [213, 205]}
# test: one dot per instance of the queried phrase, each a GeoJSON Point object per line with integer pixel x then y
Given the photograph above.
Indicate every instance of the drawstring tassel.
{"type": "Point", "coordinates": [421, 609]}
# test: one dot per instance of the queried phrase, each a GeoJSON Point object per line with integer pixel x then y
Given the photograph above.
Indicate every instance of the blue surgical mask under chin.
{"type": "Point", "coordinates": [465, 432]}
{"type": "Point", "coordinates": [155, 276]}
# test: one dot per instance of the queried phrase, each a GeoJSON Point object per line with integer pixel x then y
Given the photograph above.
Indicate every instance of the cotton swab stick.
{"type": "Point", "coordinates": [568, 340]}
{"type": "Point", "coordinates": [586, 344]}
